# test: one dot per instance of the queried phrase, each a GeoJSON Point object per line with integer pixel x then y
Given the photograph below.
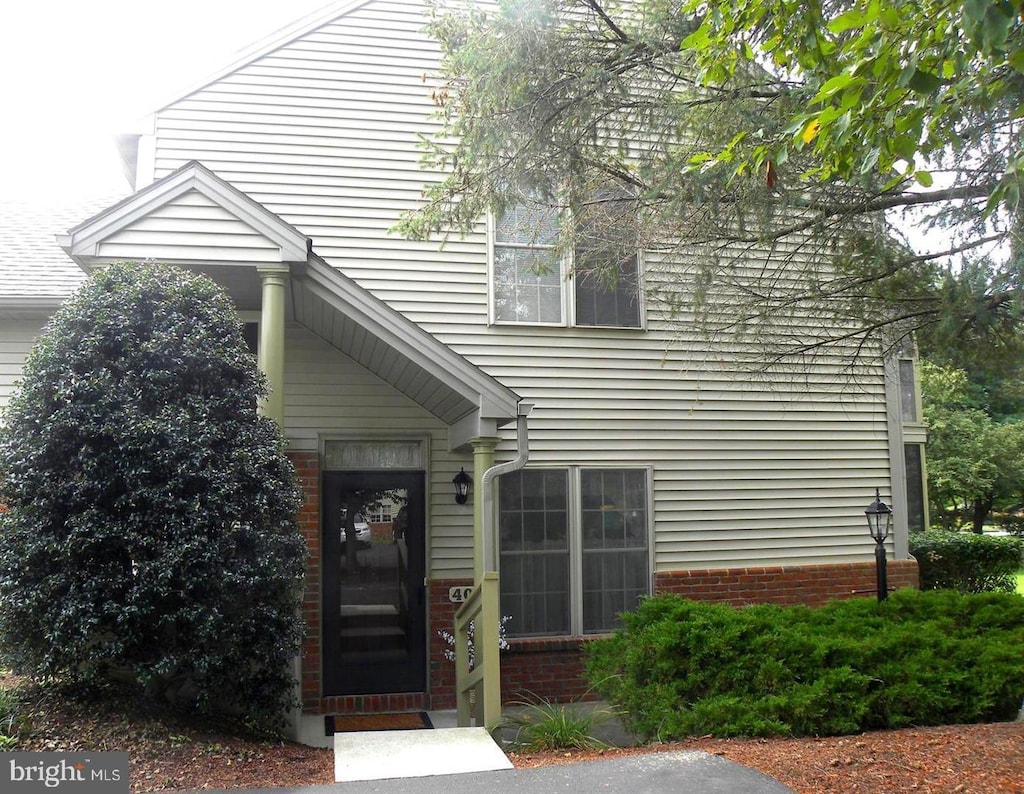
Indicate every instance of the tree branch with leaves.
{"type": "Point", "coordinates": [774, 138]}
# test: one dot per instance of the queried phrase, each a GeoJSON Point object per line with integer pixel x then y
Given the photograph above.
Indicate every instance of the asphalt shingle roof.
{"type": "Point", "coordinates": [32, 264]}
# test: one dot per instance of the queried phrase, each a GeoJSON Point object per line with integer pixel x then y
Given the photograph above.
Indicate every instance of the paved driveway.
{"type": "Point", "coordinates": [651, 773]}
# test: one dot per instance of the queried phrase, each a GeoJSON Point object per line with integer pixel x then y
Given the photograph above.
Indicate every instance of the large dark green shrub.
{"type": "Point", "coordinates": [681, 668]}
{"type": "Point", "coordinates": [151, 531]}
{"type": "Point", "coordinates": [966, 562]}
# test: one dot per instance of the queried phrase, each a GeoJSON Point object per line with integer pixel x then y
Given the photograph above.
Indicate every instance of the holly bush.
{"type": "Point", "coordinates": [150, 531]}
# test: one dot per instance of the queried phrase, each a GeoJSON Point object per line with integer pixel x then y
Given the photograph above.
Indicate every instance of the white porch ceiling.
{"type": "Point", "coordinates": [394, 348]}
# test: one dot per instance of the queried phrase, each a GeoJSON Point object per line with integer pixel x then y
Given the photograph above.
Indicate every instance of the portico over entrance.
{"type": "Point", "coordinates": [343, 368]}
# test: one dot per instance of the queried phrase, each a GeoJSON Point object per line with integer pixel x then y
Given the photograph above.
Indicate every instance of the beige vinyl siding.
{"type": "Point", "coordinates": [202, 229]}
{"type": "Point", "coordinates": [329, 395]}
{"type": "Point", "coordinates": [327, 129]}
{"type": "Point", "coordinates": [323, 132]}
{"type": "Point", "coordinates": [16, 340]}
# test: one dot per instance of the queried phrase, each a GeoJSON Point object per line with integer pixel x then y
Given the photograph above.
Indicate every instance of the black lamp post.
{"type": "Point", "coordinates": [879, 516]}
{"type": "Point", "coordinates": [462, 481]}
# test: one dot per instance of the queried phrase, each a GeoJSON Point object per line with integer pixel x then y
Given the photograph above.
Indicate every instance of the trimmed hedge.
{"type": "Point", "coordinates": [966, 562]}
{"type": "Point", "coordinates": [686, 668]}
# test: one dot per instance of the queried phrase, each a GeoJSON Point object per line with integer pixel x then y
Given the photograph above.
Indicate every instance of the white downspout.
{"type": "Point", "coordinates": [523, 442]}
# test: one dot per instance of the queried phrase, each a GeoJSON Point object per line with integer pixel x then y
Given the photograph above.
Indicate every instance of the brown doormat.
{"type": "Point", "coordinates": [393, 721]}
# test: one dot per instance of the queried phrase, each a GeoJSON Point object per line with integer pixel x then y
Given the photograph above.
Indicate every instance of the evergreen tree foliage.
{"type": "Point", "coordinates": [763, 144]}
{"type": "Point", "coordinates": [150, 531]}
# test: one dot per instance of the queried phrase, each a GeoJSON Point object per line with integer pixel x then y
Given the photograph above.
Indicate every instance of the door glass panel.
{"type": "Point", "coordinates": [374, 610]}
{"type": "Point", "coordinates": [373, 590]}
{"type": "Point", "coordinates": [339, 455]}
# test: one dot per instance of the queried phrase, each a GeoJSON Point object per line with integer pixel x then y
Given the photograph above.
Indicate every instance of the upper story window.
{"type": "Point", "coordinates": [595, 282]}
{"type": "Point", "coordinates": [908, 390]}
{"type": "Point", "coordinates": [527, 274]}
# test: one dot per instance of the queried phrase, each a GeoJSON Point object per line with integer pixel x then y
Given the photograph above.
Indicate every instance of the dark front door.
{"type": "Point", "coordinates": [374, 604]}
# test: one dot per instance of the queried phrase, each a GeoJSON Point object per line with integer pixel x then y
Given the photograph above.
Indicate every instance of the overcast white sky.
{"type": "Point", "coordinates": [74, 72]}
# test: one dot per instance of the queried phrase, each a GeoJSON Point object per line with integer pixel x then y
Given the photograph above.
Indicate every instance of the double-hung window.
{"type": "Point", "coordinates": [537, 279]}
{"type": "Point", "coordinates": [527, 272]}
{"type": "Point", "coordinates": [606, 265]}
{"type": "Point", "coordinates": [574, 548]}
{"type": "Point", "coordinates": [914, 437]}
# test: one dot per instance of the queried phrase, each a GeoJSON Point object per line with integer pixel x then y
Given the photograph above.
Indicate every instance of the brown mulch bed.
{"type": "Point", "coordinates": [170, 753]}
{"type": "Point", "coordinates": [967, 759]}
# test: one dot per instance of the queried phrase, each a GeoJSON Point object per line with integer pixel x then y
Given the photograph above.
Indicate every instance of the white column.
{"type": "Point", "coordinates": [271, 351]}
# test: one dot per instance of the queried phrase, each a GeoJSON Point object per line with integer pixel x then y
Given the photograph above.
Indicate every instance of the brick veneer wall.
{"type": "Point", "coordinates": [552, 668]}
{"type": "Point", "coordinates": [441, 671]}
{"type": "Point", "coordinates": [811, 585]}
{"type": "Point", "coordinates": [307, 470]}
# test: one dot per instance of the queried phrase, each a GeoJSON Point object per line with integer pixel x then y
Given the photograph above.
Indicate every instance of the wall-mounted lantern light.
{"type": "Point", "coordinates": [879, 516]}
{"type": "Point", "coordinates": [462, 483]}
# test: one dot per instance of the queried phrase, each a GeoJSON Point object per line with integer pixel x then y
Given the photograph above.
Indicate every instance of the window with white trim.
{"type": "Point", "coordinates": [597, 283]}
{"type": "Point", "coordinates": [574, 548]}
{"type": "Point", "coordinates": [526, 272]}
{"type": "Point", "coordinates": [380, 513]}
{"type": "Point", "coordinates": [914, 435]}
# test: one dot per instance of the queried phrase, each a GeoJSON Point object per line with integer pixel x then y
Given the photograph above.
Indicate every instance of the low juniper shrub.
{"type": "Point", "coordinates": [680, 668]}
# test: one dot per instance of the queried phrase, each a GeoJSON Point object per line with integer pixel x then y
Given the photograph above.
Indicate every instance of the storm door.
{"type": "Point", "coordinates": [374, 600]}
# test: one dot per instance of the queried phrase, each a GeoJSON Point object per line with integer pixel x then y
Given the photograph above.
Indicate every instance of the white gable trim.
{"type": "Point", "coordinates": [82, 242]}
{"type": "Point", "coordinates": [328, 303]}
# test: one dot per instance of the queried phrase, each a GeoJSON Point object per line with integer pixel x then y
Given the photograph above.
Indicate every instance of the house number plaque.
{"type": "Point", "coordinates": [458, 595]}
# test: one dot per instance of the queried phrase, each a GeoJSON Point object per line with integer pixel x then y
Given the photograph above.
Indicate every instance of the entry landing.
{"type": "Point", "coordinates": [378, 755]}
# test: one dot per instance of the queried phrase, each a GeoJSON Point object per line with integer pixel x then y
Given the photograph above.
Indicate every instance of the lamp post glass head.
{"type": "Point", "coordinates": [462, 481]}
{"type": "Point", "coordinates": [879, 516]}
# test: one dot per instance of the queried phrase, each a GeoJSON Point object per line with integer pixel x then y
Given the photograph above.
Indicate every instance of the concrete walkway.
{"type": "Point", "coordinates": [418, 762]}
{"type": "Point", "coordinates": [377, 755]}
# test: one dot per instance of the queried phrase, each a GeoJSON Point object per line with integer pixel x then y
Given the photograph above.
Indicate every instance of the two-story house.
{"type": "Point", "coordinates": [655, 464]}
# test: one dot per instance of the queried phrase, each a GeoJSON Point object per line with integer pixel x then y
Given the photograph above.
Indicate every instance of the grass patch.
{"type": "Point", "coordinates": [541, 726]}
{"type": "Point", "coordinates": [1020, 581]}
{"type": "Point", "coordinates": [9, 719]}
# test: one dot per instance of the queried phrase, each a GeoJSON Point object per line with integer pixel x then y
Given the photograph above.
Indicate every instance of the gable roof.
{"type": "Point", "coordinates": [328, 303]}
{"type": "Point", "coordinates": [270, 43]}
{"type": "Point", "coordinates": [128, 141]}
{"type": "Point", "coordinates": [84, 243]}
